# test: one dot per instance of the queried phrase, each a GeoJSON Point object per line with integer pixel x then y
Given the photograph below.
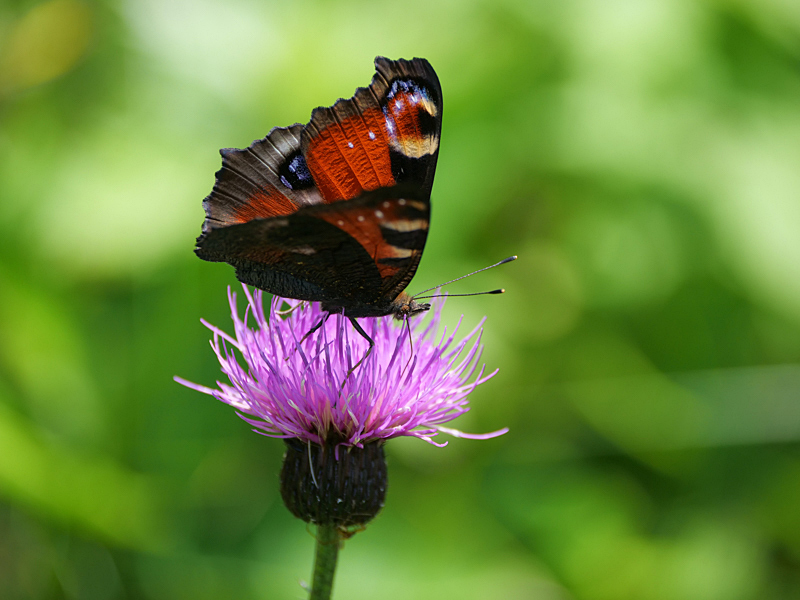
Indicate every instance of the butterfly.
{"type": "Point", "coordinates": [336, 210]}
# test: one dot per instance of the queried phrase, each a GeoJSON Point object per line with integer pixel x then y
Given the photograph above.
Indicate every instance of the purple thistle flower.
{"type": "Point", "coordinates": [294, 389]}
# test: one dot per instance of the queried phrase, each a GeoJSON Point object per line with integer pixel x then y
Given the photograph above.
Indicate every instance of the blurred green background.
{"type": "Point", "coordinates": [641, 156]}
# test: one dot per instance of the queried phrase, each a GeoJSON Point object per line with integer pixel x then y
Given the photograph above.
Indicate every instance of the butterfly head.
{"type": "Point", "coordinates": [405, 306]}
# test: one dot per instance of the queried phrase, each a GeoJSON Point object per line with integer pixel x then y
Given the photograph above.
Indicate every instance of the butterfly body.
{"type": "Point", "coordinates": [337, 210]}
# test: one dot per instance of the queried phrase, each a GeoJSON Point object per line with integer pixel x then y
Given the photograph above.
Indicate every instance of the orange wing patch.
{"type": "Point", "coordinates": [351, 156]}
{"type": "Point", "coordinates": [263, 205]}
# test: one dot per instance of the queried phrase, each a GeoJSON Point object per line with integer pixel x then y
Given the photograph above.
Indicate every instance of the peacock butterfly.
{"type": "Point", "coordinates": [336, 210]}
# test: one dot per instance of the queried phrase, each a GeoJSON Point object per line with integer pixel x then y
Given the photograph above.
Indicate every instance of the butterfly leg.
{"type": "Point", "coordinates": [310, 331]}
{"type": "Point", "coordinates": [363, 334]}
{"type": "Point", "coordinates": [410, 343]}
{"type": "Point", "coordinates": [288, 311]}
{"type": "Point", "coordinates": [314, 328]}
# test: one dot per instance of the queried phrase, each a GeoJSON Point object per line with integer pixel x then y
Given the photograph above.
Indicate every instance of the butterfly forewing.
{"type": "Point", "coordinates": [385, 134]}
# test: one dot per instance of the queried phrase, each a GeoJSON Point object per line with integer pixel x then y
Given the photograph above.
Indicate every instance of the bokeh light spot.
{"type": "Point", "coordinates": [45, 43]}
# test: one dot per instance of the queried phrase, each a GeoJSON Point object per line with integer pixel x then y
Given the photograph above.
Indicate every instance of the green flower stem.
{"type": "Point", "coordinates": [325, 562]}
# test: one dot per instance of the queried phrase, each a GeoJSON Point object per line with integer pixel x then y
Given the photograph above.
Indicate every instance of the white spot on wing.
{"type": "Point", "coordinates": [360, 218]}
{"type": "Point", "coordinates": [349, 144]}
{"type": "Point", "coordinates": [275, 223]}
{"type": "Point", "coordinates": [371, 135]}
{"type": "Point", "coordinates": [379, 214]}
{"type": "Point", "coordinates": [340, 222]}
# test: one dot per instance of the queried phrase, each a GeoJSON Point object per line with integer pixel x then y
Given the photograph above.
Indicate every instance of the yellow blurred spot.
{"type": "Point", "coordinates": [44, 44]}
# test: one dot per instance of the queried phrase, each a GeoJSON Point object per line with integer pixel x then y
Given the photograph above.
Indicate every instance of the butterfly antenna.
{"type": "Point", "coordinates": [497, 291]}
{"type": "Point", "coordinates": [363, 334]}
{"type": "Point", "coordinates": [502, 262]}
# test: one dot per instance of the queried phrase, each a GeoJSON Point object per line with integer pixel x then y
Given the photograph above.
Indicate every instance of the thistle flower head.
{"type": "Point", "coordinates": [415, 380]}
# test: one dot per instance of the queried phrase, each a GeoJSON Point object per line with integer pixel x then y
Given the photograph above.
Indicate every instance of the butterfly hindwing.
{"type": "Point", "coordinates": [296, 256]}
{"type": "Point", "coordinates": [356, 252]}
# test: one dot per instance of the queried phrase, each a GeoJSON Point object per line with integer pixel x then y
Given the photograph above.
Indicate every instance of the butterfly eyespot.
{"type": "Point", "coordinates": [294, 173]}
